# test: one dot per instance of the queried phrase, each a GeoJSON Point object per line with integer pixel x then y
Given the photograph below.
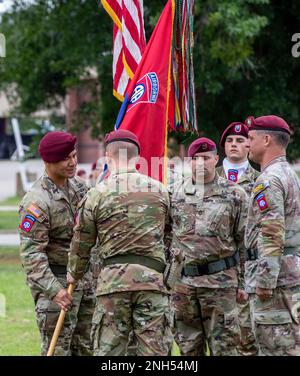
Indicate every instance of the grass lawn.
{"type": "Point", "coordinates": [19, 333]}
{"type": "Point", "coordinates": [11, 201]}
{"type": "Point", "coordinates": [9, 220]}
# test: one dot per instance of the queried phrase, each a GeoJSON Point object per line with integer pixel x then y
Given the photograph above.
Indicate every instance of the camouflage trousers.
{"type": "Point", "coordinates": [276, 322]}
{"type": "Point", "coordinates": [247, 346]}
{"type": "Point", "coordinates": [206, 314]}
{"type": "Point", "coordinates": [75, 335]}
{"type": "Point", "coordinates": [132, 323]}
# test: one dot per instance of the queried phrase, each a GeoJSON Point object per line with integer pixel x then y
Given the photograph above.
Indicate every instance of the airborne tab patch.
{"type": "Point", "coordinates": [262, 202]}
{"type": "Point", "coordinates": [34, 210]}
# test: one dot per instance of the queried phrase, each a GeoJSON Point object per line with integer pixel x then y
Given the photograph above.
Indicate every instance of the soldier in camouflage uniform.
{"type": "Point", "coordinates": [272, 269]}
{"type": "Point", "coordinates": [236, 167]}
{"type": "Point", "coordinates": [208, 224]}
{"type": "Point", "coordinates": [127, 213]}
{"type": "Point", "coordinates": [178, 168]}
{"type": "Point", "coordinates": [47, 219]}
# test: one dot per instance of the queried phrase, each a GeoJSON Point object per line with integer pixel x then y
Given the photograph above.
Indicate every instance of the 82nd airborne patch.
{"type": "Point", "coordinates": [262, 202]}
{"type": "Point", "coordinates": [233, 175]}
{"type": "Point", "coordinates": [27, 223]}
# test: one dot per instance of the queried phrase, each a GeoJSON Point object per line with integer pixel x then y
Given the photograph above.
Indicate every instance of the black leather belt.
{"type": "Point", "coordinates": [195, 270]}
{"type": "Point", "coordinates": [58, 269]}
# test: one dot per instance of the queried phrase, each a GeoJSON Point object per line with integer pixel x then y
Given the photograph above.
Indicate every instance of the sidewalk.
{"type": "Point", "coordinates": [8, 208]}
{"type": "Point", "coordinates": [9, 240]}
{"type": "Point", "coordinates": [9, 169]}
{"type": "Point", "coordinates": [8, 174]}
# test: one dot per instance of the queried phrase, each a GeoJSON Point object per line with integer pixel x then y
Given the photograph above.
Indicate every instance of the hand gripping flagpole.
{"type": "Point", "coordinates": [59, 325]}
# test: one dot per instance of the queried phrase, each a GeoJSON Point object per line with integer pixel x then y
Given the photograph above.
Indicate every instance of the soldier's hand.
{"type": "Point", "coordinates": [70, 279]}
{"type": "Point", "coordinates": [241, 296]}
{"type": "Point", "coordinates": [63, 299]}
{"type": "Point", "coordinates": [264, 294]}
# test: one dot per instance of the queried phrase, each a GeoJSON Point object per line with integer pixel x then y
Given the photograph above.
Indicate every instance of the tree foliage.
{"type": "Point", "coordinates": [242, 57]}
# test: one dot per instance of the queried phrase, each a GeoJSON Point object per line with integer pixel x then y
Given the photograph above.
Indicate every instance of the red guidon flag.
{"type": "Point", "coordinates": [129, 40]}
{"type": "Point", "coordinates": [148, 107]}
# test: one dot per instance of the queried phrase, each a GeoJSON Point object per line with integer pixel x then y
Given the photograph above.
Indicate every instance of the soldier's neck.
{"type": "Point", "coordinates": [59, 181]}
{"type": "Point", "coordinates": [123, 166]}
{"type": "Point", "coordinates": [209, 179]}
{"type": "Point", "coordinates": [269, 157]}
{"type": "Point", "coordinates": [237, 162]}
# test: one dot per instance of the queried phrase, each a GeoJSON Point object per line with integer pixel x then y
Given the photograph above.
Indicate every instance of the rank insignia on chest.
{"type": "Point", "coordinates": [233, 175]}
{"type": "Point", "coordinates": [34, 210]}
{"type": "Point", "coordinates": [262, 202]}
{"type": "Point", "coordinates": [27, 223]}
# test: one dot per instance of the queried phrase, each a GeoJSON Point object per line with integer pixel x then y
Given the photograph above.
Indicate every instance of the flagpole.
{"type": "Point", "coordinates": [168, 98]}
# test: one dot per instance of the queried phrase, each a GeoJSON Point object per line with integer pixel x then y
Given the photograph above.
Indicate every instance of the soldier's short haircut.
{"type": "Point", "coordinates": [131, 149]}
{"type": "Point", "coordinates": [281, 138]}
{"type": "Point", "coordinates": [212, 152]}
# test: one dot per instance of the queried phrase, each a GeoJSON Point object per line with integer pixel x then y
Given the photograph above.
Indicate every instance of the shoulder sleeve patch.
{"type": "Point", "coordinates": [34, 210]}
{"type": "Point", "coordinates": [260, 187]}
{"type": "Point", "coordinates": [27, 223]}
{"type": "Point", "coordinates": [262, 202]}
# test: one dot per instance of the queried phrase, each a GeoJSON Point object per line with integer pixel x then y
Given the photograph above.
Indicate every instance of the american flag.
{"type": "Point", "coordinates": [129, 40]}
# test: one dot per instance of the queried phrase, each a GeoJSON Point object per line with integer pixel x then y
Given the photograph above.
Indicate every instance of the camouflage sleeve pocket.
{"type": "Point", "coordinates": [218, 220]}
{"type": "Point", "coordinates": [272, 317]}
{"type": "Point", "coordinates": [30, 216]}
{"type": "Point", "coordinates": [47, 314]}
{"type": "Point", "coordinates": [184, 217]}
{"type": "Point", "coordinates": [29, 222]}
{"type": "Point", "coordinates": [275, 330]}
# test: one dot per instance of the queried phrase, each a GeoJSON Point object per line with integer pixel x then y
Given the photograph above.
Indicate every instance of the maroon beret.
{"type": "Point", "coordinates": [122, 135]}
{"type": "Point", "coordinates": [267, 123]}
{"type": "Point", "coordinates": [234, 129]}
{"type": "Point", "coordinates": [201, 145]}
{"type": "Point", "coordinates": [56, 146]}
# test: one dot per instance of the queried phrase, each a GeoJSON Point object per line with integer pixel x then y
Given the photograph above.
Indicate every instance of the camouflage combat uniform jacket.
{"type": "Point", "coordinates": [46, 229]}
{"type": "Point", "coordinates": [126, 222]}
{"type": "Point", "coordinates": [273, 227]}
{"type": "Point", "coordinates": [246, 181]}
{"type": "Point", "coordinates": [247, 345]}
{"type": "Point", "coordinates": [208, 225]}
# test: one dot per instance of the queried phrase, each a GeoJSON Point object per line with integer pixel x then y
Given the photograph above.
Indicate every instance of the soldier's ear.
{"type": "Point", "coordinates": [267, 139]}
{"type": "Point", "coordinates": [217, 159]}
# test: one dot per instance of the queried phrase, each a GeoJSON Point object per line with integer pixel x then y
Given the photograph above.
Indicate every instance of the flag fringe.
{"type": "Point", "coordinates": [118, 96]}
{"type": "Point", "coordinates": [127, 67]}
{"type": "Point", "coordinates": [112, 14]}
